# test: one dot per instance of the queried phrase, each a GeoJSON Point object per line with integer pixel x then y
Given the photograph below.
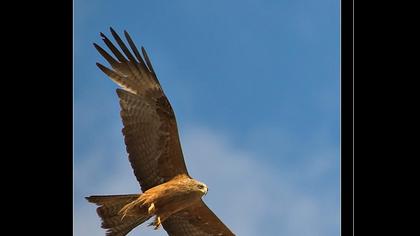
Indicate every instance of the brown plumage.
{"type": "Point", "coordinates": [154, 151]}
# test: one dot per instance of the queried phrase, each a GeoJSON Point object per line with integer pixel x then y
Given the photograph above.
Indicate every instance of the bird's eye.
{"type": "Point", "coordinates": [200, 186]}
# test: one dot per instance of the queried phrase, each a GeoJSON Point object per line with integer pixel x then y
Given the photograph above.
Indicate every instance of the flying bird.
{"type": "Point", "coordinates": [169, 193]}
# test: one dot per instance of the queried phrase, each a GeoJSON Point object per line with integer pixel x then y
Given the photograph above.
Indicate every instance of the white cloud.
{"type": "Point", "coordinates": [249, 195]}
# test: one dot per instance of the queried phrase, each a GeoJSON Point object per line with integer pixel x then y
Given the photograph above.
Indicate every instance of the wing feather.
{"type": "Point", "coordinates": [197, 220]}
{"type": "Point", "coordinates": [150, 129]}
{"type": "Point", "coordinates": [146, 57]}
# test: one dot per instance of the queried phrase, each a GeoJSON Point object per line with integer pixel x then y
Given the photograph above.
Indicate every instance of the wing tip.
{"type": "Point", "coordinates": [102, 67]}
{"type": "Point", "coordinates": [97, 46]}
{"type": "Point", "coordinates": [113, 32]}
{"type": "Point", "coordinates": [106, 70]}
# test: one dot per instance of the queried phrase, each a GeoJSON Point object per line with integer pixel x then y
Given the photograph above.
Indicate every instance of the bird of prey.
{"type": "Point", "coordinates": [150, 133]}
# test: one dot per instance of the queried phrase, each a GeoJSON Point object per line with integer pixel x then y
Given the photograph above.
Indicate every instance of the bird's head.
{"type": "Point", "coordinates": [201, 187]}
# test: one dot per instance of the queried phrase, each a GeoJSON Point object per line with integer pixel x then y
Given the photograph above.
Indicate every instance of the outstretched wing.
{"type": "Point", "coordinates": [150, 129]}
{"type": "Point", "coordinates": [197, 220]}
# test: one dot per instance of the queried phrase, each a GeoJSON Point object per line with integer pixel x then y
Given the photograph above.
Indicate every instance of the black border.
{"type": "Point", "coordinates": [42, 158]}
{"type": "Point", "coordinates": [58, 39]}
{"type": "Point", "coordinates": [347, 204]}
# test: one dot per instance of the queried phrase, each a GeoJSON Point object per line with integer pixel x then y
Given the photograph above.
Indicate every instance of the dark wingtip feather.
{"type": "Point", "coordinates": [113, 31]}
{"type": "Point", "coordinates": [111, 46]}
{"type": "Point", "coordinates": [148, 62]}
{"type": "Point", "coordinates": [133, 48]}
{"type": "Point", "coordinates": [96, 46]}
{"type": "Point", "coordinates": [103, 68]}
{"type": "Point", "coordinates": [107, 57]}
{"type": "Point", "coordinates": [122, 46]}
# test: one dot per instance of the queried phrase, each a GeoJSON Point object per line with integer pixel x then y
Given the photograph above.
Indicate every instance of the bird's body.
{"type": "Point", "coordinates": [168, 198]}
{"type": "Point", "coordinates": [151, 137]}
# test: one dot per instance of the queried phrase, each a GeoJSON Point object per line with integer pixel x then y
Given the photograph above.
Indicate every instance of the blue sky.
{"type": "Point", "coordinates": [255, 89]}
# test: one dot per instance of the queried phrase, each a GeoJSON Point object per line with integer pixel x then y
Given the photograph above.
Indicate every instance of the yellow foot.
{"type": "Point", "coordinates": [151, 209]}
{"type": "Point", "coordinates": [157, 222]}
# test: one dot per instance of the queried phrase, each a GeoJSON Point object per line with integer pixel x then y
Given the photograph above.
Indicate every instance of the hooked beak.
{"type": "Point", "coordinates": [204, 190]}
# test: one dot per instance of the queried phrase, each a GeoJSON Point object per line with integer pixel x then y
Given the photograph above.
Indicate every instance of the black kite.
{"type": "Point", "coordinates": [155, 154]}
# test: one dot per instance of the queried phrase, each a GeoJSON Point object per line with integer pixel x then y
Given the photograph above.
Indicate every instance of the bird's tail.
{"type": "Point", "coordinates": [110, 212]}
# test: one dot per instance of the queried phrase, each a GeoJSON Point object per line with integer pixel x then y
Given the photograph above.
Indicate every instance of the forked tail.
{"type": "Point", "coordinates": [109, 211]}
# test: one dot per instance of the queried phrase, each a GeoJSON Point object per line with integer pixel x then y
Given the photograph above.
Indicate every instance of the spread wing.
{"type": "Point", "coordinates": [197, 220]}
{"type": "Point", "coordinates": [150, 129]}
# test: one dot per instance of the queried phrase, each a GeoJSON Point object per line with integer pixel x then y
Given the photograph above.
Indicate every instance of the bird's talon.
{"type": "Point", "coordinates": [151, 209]}
{"type": "Point", "coordinates": [157, 222]}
